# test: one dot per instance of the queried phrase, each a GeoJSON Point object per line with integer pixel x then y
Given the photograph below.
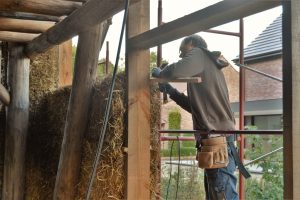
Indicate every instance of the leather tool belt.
{"type": "Point", "coordinates": [213, 153]}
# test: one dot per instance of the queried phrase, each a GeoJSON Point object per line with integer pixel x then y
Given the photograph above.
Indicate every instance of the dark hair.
{"type": "Point", "coordinates": [197, 41]}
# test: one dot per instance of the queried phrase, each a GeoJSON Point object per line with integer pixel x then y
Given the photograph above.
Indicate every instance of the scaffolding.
{"type": "Point", "coordinates": [81, 20]}
{"type": "Point", "coordinates": [241, 130]}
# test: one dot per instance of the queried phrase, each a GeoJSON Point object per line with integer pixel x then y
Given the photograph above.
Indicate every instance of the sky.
{"type": "Point", "coordinates": [228, 45]}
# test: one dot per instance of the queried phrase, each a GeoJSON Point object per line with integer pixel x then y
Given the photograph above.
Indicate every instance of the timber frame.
{"type": "Point", "coordinates": [33, 26]}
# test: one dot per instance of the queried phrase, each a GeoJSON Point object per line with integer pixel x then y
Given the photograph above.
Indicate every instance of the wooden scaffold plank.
{"type": "Point", "coordinates": [53, 7]}
{"type": "Point", "coordinates": [89, 45]}
{"type": "Point", "coordinates": [138, 167]}
{"type": "Point", "coordinates": [29, 16]}
{"type": "Point", "coordinates": [80, 20]}
{"type": "Point", "coordinates": [16, 125]}
{"type": "Point", "coordinates": [26, 26]}
{"type": "Point", "coordinates": [10, 36]}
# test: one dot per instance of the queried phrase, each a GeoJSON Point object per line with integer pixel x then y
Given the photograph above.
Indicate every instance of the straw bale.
{"type": "Point", "coordinates": [43, 79]}
{"type": "Point", "coordinates": [44, 75]}
{"type": "Point", "coordinates": [45, 136]}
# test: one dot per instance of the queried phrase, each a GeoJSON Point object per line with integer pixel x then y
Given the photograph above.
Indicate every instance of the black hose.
{"type": "Point", "coordinates": [170, 177]}
{"type": "Point", "coordinates": [108, 105]}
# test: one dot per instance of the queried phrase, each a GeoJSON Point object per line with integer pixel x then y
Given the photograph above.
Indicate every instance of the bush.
{"type": "Point", "coordinates": [187, 183]}
{"type": "Point", "coordinates": [184, 151]}
{"type": "Point", "coordinates": [270, 184]}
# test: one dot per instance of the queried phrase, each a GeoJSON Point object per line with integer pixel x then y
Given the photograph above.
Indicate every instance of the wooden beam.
{"type": "Point", "coordinates": [177, 80]}
{"type": "Point", "coordinates": [85, 72]}
{"type": "Point", "coordinates": [295, 30]}
{"type": "Point", "coordinates": [53, 7]}
{"type": "Point", "coordinates": [27, 26]}
{"type": "Point", "coordinates": [16, 126]}
{"type": "Point", "coordinates": [80, 20]}
{"type": "Point", "coordinates": [138, 167]}
{"type": "Point", "coordinates": [29, 16]}
{"type": "Point", "coordinates": [65, 63]}
{"type": "Point", "coordinates": [4, 94]}
{"type": "Point", "coordinates": [78, 0]}
{"type": "Point", "coordinates": [9, 36]}
{"type": "Point", "coordinates": [291, 97]}
{"type": "Point", "coordinates": [212, 16]}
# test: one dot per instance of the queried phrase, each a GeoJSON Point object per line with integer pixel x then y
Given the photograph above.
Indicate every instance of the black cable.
{"type": "Point", "coordinates": [178, 168]}
{"type": "Point", "coordinates": [108, 105]}
{"type": "Point", "coordinates": [169, 182]}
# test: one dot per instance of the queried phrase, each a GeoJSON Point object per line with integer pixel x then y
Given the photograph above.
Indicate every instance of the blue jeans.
{"type": "Point", "coordinates": [221, 183]}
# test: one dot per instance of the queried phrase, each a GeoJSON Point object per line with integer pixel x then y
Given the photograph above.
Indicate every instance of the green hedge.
{"type": "Point", "coordinates": [184, 151]}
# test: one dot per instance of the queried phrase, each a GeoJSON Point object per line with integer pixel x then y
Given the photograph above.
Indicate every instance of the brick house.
{"type": "Point", "coordinates": [263, 106]}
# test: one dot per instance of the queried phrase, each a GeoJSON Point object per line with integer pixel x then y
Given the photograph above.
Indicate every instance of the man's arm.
{"type": "Point", "coordinates": [182, 100]}
{"type": "Point", "coordinates": [188, 66]}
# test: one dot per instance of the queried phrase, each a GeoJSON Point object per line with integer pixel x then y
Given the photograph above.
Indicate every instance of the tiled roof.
{"type": "Point", "coordinates": [268, 43]}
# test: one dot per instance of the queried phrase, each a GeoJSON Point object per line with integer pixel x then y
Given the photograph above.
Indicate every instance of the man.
{"type": "Point", "coordinates": [208, 102]}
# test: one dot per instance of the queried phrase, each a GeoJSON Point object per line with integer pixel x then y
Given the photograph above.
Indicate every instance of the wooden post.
{"type": "Point", "coordinates": [291, 98]}
{"type": "Point", "coordinates": [107, 58]}
{"type": "Point", "coordinates": [16, 126]}
{"type": "Point", "coordinates": [138, 169]}
{"type": "Point", "coordinates": [77, 117]}
{"type": "Point", "coordinates": [295, 26]}
{"type": "Point", "coordinates": [65, 63]}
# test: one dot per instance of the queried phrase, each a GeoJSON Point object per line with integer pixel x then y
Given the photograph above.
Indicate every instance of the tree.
{"type": "Point", "coordinates": [153, 59]}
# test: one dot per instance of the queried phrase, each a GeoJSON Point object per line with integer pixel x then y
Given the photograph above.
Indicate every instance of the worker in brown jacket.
{"type": "Point", "coordinates": [208, 102]}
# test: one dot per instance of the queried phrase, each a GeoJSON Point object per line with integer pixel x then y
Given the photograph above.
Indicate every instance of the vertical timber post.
{"type": "Point", "coordinates": [107, 58]}
{"type": "Point", "coordinates": [65, 63]}
{"type": "Point", "coordinates": [291, 98]}
{"type": "Point", "coordinates": [77, 116]}
{"type": "Point", "coordinates": [138, 168]}
{"type": "Point", "coordinates": [242, 108]}
{"type": "Point", "coordinates": [16, 125]}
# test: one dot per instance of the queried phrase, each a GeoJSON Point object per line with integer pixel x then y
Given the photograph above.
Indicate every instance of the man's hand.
{"type": "Point", "coordinates": [166, 87]}
{"type": "Point", "coordinates": [156, 72]}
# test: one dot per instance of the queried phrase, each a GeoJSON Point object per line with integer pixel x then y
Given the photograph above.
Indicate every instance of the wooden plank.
{"type": "Point", "coordinates": [27, 26]}
{"type": "Point", "coordinates": [78, 0]}
{"type": "Point", "coordinates": [9, 36]}
{"type": "Point", "coordinates": [177, 80]}
{"type": "Point", "coordinates": [4, 94]}
{"type": "Point", "coordinates": [16, 126]}
{"type": "Point", "coordinates": [85, 72]}
{"type": "Point", "coordinates": [295, 24]}
{"type": "Point", "coordinates": [138, 167]}
{"type": "Point", "coordinates": [287, 91]}
{"type": "Point", "coordinates": [65, 63]}
{"type": "Point", "coordinates": [53, 7]}
{"type": "Point", "coordinates": [212, 16]}
{"type": "Point", "coordinates": [80, 20]}
{"type": "Point", "coordinates": [29, 16]}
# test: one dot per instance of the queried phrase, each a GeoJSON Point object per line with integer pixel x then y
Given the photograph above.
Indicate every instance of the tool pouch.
{"type": "Point", "coordinates": [213, 153]}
